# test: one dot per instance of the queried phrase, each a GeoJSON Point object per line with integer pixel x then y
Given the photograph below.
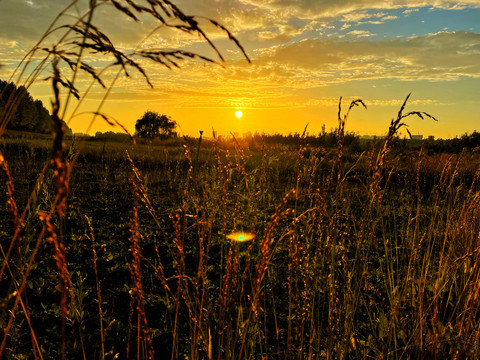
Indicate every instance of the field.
{"type": "Point", "coordinates": [267, 247]}
{"type": "Point", "coordinates": [374, 254]}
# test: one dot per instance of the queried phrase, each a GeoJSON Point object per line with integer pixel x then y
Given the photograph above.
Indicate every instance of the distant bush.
{"type": "Point", "coordinates": [110, 136]}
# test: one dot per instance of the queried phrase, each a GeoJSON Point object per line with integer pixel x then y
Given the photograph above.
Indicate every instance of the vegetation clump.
{"type": "Point", "coordinates": [29, 115]}
{"type": "Point", "coordinates": [152, 125]}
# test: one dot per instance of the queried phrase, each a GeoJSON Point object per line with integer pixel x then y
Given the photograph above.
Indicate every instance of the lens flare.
{"type": "Point", "coordinates": [241, 236]}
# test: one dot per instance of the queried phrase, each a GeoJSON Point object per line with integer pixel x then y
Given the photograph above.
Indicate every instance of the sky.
{"type": "Point", "coordinates": [305, 55]}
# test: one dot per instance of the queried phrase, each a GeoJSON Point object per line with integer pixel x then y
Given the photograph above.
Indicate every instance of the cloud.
{"type": "Point", "coordinates": [25, 20]}
{"type": "Point", "coordinates": [409, 11]}
{"type": "Point", "coordinates": [334, 8]}
{"type": "Point", "coordinates": [441, 56]}
{"type": "Point", "coordinates": [281, 73]}
{"type": "Point", "coordinates": [282, 33]}
{"type": "Point", "coordinates": [8, 44]}
{"type": "Point", "coordinates": [361, 16]}
{"type": "Point", "coordinates": [281, 69]}
{"type": "Point", "coordinates": [360, 33]}
{"type": "Point", "coordinates": [389, 17]}
{"type": "Point", "coordinates": [252, 21]}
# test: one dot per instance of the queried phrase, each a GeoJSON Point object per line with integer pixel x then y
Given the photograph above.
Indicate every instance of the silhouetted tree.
{"type": "Point", "coordinates": [152, 125]}
{"type": "Point", "coordinates": [30, 115]}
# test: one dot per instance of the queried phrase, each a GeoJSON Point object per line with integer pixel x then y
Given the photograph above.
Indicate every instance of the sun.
{"type": "Point", "coordinates": [239, 114]}
{"type": "Point", "coordinates": [241, 236]}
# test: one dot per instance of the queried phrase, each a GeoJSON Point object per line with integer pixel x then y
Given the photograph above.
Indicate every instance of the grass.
{"type": "Point", "coordinates": [113, 250]}
{"type": "Point", "coordinates": [328, 275]}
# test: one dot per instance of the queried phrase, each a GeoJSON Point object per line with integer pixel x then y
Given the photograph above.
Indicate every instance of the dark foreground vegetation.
{"type": "Point", "coordinates": [374, 254]}
{"type": "Point", "coordinates": [318, 247]}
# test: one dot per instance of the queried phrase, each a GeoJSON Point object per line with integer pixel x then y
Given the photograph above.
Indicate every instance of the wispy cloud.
{"type": "Point", "coordinates": [360, 33]}
{"type": "Point", "coordinates": [335, 8]}
{"type": "Point", "coordinates": [281, 72]}
{"type": "Point", "coordinates": [441, 56]}
{"type": "Point", "coordinates": [409, 11]}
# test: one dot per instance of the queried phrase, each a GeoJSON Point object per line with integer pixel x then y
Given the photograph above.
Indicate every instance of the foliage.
{"type": "Point", "coordinates": [30, 114]}
{"type": "Point", "coordinates": [152, 125]}
{"type": "Point", "coordinates": [110, 136]}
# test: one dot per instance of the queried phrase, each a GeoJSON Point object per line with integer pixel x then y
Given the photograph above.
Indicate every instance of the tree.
{"type": "Point", "coordinates": [152, 125]}
{"type": "Point", "coordinates": [30, 114]}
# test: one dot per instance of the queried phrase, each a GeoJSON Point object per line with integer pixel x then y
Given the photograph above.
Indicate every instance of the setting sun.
{"type": "Point", "coordinates": [241, 236]}
{"type": "Point", "coordinates": [239, 114]}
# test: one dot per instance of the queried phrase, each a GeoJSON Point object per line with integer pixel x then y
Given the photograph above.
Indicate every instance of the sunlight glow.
{"type": "Point", "coordinates": [241, 236]}
{"type": "Point", "coordinates": [239, 114]}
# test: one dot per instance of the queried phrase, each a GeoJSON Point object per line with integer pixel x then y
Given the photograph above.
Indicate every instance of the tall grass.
{"type": "Point", "coordinates": [329, 273]}
{"type": "Point", "coordinates": [133, 254]}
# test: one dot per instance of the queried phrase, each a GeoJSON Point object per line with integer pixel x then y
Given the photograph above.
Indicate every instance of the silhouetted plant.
{"type": "Point", "coordinates": [152, 125]}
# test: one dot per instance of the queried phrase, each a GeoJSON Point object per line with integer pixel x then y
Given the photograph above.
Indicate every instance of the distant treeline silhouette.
{"type": "Point", "coordinates": [353, 142]}
{"type": "Point", "coordinates": [30, 115]}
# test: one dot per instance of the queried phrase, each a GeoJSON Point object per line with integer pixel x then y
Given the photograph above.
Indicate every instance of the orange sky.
{"type": "Point", "coordinates": [305, 55]}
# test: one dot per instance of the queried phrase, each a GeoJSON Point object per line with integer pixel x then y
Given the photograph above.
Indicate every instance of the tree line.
{"type": "Point", "coordinates": [30, 115]}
